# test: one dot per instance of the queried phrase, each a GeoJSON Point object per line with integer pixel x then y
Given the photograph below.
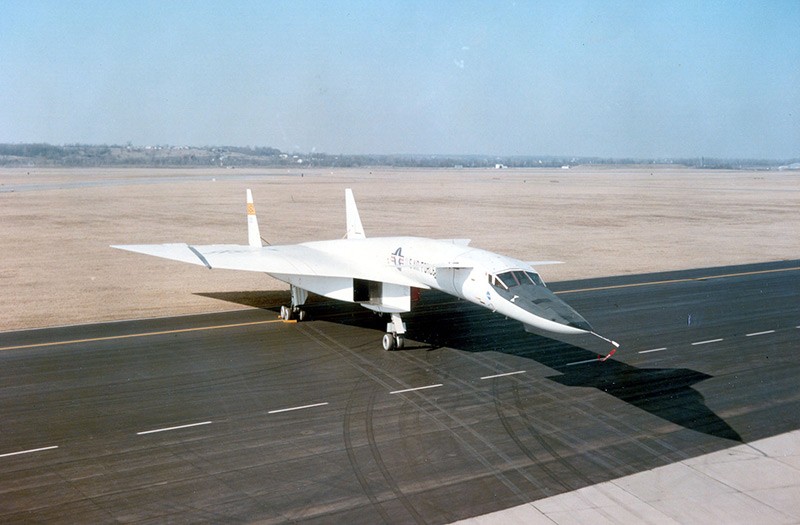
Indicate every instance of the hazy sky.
{"type": "Point", "coordinates": [633, 79]}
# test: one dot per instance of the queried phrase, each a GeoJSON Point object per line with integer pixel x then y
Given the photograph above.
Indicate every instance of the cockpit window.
{"type": "Point", "coordinates": [522, 277]}
{"type": "Point", "coordinates": [507, 279]}
{"type": "Point", "coordinates": [535, 278]}
{"type": "Point", "coordinates": [495, 281]}
{"type": "Point", "coordinates": [514, 278]}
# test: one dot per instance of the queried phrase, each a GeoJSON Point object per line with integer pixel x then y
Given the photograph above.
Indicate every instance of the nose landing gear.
{"type": "Point", "coordinates": [393, 341]}
{"type": "Point", "coordinates": [395, 336]}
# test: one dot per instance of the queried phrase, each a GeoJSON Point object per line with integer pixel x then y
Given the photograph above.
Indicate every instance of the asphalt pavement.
{"type": "Point", "coordinates": [240, 417]}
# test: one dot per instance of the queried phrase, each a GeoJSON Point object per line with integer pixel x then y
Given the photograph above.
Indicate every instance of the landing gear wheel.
{"type": "Point", "coordinates": [288, 313]}
{"type": "Point", "coordinates": [394, 333]}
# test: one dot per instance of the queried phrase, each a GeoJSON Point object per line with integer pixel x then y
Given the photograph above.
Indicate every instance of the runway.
{"type": "Point", "coordinates": [239, 417]}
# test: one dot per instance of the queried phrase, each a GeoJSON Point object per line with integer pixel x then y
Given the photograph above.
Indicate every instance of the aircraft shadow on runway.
{"type": "Point", "coordinates": [439, 321]}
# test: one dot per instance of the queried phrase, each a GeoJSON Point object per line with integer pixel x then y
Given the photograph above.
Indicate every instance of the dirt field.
{"type": "Point", "coordinates": [56, 226]}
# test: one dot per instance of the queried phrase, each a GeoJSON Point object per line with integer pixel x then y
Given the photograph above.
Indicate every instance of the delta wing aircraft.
{"type": "Point", "coordinates": [380, 273]}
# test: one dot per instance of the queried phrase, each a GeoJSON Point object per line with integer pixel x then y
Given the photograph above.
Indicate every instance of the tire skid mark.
{"type": "Point", "coordinates": [603, 460]}
{"type": "Point", "coordinates": [500, 408]}
{"type": "Point", "coordinates": [420, 403]}
{"type": "Point", "coordinates": [503, 407]}
{"type": "Point", "coordinates": [585, 410]}
{"type": "Point", "coordinates": [385, 472]}
{"type": "Point", "coordinates": [540, 438]}
{"type": "Point", "coordinates": [351, 453]}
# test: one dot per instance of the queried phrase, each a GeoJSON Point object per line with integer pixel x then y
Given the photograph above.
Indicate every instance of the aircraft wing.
{"type": "Point", "coordinates": [543, 263]}
{"type": "Point", "coordinates": [296, 259]}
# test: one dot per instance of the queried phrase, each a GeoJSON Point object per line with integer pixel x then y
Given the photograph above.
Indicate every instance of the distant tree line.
{"type": "Point", "coordinates": [237, 156]}
{"type": "Point", "coordinates": [154, 156]}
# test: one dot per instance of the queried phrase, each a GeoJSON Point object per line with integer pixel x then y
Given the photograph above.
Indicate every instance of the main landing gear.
{"type": "Point", "coordinates": [394, 339]}
{"type": "Point", "coordinates": [294, 312]}
{"type": "Point", "coordinates": [395, 336]}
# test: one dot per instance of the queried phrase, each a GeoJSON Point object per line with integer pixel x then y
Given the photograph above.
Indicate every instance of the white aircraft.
{"type": "Point", "coordinates": [380, 273]}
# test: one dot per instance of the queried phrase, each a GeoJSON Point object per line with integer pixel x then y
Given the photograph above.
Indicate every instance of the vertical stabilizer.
{"type": "Point", "coordinates": [354, 228]}
{"type": "Point", "coordinates": [253, 234]}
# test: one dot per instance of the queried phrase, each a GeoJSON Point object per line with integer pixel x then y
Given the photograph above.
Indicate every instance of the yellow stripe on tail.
{"type": "Point", "coordinates": [253, 233]}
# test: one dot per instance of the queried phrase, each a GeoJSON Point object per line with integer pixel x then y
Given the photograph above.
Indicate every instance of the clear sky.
{"type": "Point", "coordinates": [611, 79]}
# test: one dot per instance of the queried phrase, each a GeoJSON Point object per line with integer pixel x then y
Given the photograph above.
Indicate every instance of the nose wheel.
{"type": "Point", "coordinates": [394, 339]}
{"type": "Point", "coordinates": [393, 342]}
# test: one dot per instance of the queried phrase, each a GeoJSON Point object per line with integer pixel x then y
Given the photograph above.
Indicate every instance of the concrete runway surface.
{"type": "Point", "coordinates": [238, 417]}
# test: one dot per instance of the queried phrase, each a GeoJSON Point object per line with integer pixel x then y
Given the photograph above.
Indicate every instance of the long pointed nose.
{"type": "Point", "coordinates": [564, 314]}
{"type": "Point", "coordinates": [541, 302]}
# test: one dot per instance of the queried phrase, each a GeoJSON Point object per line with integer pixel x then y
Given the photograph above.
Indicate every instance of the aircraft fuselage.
{"type": "Point", "coordinates": [502, 284]}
